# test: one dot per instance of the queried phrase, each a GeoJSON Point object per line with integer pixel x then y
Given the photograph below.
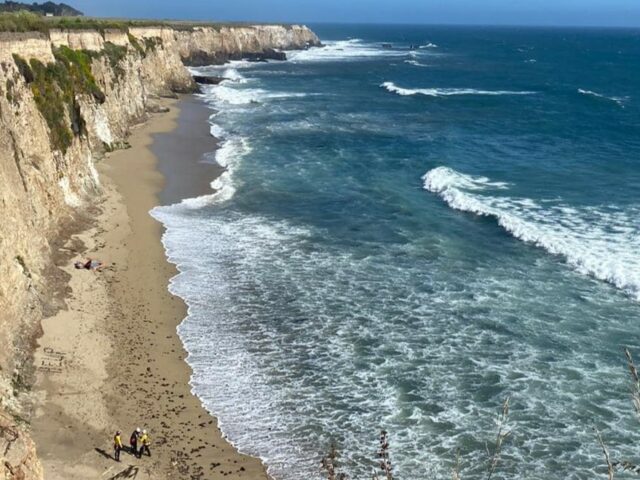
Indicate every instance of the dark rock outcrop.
{"type": "Point", "coordinates": [202, 80]}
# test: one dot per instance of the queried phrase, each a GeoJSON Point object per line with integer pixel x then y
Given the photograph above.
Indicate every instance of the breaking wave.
{"type": "Point", "coordinates": [416, 63]}
{"type": "Point", "coordinates": [233, 75]}
{"type": "Point", "coordinates": [444, 92]}
{"type": "Point", "coordinates": [599, 242]}
{"type": "Point", "coordinates": [353, 49]}
{"type": "Point", "coordinates": [618, 100]}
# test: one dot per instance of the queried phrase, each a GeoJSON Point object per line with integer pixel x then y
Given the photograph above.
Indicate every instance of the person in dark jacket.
{"type": "Point", "coordinates": [133, 441]}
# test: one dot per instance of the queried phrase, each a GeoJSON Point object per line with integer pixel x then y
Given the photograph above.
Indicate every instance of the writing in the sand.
{"type": "Point", "coordinates": [51, 361]}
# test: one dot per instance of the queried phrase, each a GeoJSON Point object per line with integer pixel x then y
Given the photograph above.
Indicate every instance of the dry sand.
{"type": "Point", "coordinates": [113, 360]}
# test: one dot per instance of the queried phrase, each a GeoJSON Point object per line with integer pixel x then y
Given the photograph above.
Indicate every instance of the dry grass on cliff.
{"type": "Point", "coordinates": [25, 21]}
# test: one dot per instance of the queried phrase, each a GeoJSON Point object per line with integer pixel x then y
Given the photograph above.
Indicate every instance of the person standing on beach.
{"type": "Point", "coordinates": [144, 442]}
{"type": "Point", "coordinates": [133, 441]}
{"type": "Point", "coordinates": [117, 446]}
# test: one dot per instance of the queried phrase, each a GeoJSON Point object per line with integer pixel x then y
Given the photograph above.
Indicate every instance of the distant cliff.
{"type": "Point", "coordinates": [66, 97]}
{"type": "Point", "coordinates": [203, 46]}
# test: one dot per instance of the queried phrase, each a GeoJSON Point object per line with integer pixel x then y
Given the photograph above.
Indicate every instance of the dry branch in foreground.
{"type": "Point", "coordinates": [500, 438]}
{"type": "Point", "coordinates": [383, 455]}
{"type": "Point", "coordinates": [605, 451]}
{"type": "Point", "coordinates": [330, 465]}
{"type": "Point", "coordinates": [635, 385]}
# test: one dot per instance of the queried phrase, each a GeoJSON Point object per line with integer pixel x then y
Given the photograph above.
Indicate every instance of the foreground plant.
{"type": "Point", "coordinates": [383, 455]}
{"type": "Point", "coordinates": [502, 435]}
{"type": "Point", "coordinates": [624, 465]}
{"type": "Point", "coordinates": [330, 465]}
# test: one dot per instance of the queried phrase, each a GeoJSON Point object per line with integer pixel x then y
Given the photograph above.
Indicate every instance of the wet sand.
{"type": "Point", "coordinates": [112, 359]}
{"type": "Point", "coordinates": [189, 175]}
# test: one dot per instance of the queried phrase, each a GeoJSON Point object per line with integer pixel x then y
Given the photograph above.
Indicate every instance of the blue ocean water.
{"type": "Point", "coordinates": [406, 235]}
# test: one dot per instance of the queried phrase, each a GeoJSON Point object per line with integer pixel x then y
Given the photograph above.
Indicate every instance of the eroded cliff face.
{"type": "Point", "coordinates": [52, 131]}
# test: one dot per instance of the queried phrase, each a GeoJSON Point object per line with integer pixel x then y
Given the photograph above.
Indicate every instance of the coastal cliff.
{"type": "Point", "coordinates": [66, 98]}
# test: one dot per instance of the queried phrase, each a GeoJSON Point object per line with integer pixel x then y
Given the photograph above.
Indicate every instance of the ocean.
{"type": "Point", "coordinates": [414, 224]}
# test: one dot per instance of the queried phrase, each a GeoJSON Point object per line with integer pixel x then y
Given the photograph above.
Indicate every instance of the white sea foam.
{"type": "Point", "coordinates": [234, 96]}
{"type": "Point", "coordinates": [620, 101]}
{"type": "Point", "coordinates": [445, 92]}
{"type": "Point", "coordinates": [314, 344]}
{"type": "Point", "coordinates": [230, 95]}
{"type": "Point", "coordinates": [232, 74]}
{"type": "Point", "coordinates": [429, 45]}
{"type": "Point", "coordinates": [353, 49]}
{"type": "Point", "coordinates": [416, 63]}
{"type": "Point", "coordinates": [231, 150]}
{"type": "Point", "coordinates": [596, 241]}
{"type": "Point", "coordinates": [217, 131]}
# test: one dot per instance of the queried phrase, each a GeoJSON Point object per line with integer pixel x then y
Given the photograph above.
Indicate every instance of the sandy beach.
{"type": "Point", "coordinates": [112, 359]}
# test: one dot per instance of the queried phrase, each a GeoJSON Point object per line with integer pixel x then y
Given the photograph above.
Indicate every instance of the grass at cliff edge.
{"type": "Point", "coordinates": [31, 22]}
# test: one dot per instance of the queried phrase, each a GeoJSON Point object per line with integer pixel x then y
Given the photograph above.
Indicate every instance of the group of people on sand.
{"type": "Point", "coordinates": [138, 444]}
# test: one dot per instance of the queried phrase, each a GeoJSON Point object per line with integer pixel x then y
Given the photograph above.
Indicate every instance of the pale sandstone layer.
{"type": "Point", "coordinates": [44, 191]}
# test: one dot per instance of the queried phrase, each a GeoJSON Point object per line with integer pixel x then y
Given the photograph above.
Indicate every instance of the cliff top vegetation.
{"type": "Point", "coordinates": [24, 21]}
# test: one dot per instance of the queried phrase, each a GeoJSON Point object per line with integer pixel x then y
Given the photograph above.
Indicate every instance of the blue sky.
{"type": "Point", "coordinates": [510, 12]}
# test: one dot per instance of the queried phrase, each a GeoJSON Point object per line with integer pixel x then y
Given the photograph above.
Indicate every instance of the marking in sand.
{"type": "Point", "coordinates": [52, 361]}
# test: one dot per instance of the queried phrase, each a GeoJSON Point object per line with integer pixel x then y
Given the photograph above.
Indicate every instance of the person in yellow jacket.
{"type": "Point", "coordinates": [144, 443]}
{"type": "Point", "coordinates": [117, 446]}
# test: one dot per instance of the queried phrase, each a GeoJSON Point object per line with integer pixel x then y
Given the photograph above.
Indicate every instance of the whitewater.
{"type": "Point", "coordinates": [602, 242]}
{"type": "Point", "coordinates": [403, 248]}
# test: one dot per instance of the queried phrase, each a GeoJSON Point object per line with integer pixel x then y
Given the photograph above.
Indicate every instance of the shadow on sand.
{"type": "Point", "coordinates": [104, 454]}
{"type": "Point", "coordinates": [129, 472]}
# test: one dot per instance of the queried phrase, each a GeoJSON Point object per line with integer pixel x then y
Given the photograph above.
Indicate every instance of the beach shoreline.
{"type": "Point", "coordinates": [113, 359]}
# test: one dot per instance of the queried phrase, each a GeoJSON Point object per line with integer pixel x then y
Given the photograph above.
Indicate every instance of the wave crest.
{"type": "Point", "coordinates": [416, 63]}
{"type": "Point", "coordinates": [597, 242]}
{"type": "Point", "coordinates": [618, 100]}
{"type": "Point", "coordinates": [445, 92]}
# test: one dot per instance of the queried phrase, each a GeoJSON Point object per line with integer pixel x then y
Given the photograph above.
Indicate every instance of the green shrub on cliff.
{"type": "Point", "coordinates": [115, 54]}
{"type": "Point", "coordinates": [78, 64]}
{"type": "Point", "coordinates": [23, 68]}
{"type": "Point", "coordinates": [152, 43]}
{"type": "Point", "coordinates": [55, 86]}
{"type": "Point", "coordinates": [136, 45]}
{"type": "Point", "coordinates": [53, 94]}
